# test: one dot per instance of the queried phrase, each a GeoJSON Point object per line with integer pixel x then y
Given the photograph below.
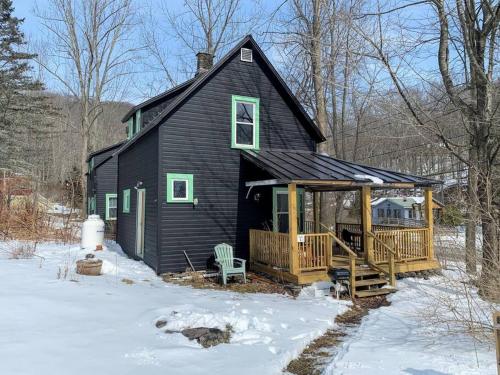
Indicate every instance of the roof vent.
{"type": "Point", "coordinates": [246, 55]}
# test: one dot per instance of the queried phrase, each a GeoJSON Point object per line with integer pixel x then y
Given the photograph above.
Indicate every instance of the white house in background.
{"type": "Point", "coordinates": [402, 210]}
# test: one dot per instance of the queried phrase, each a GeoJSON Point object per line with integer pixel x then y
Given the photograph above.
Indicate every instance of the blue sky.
{"type": "Point", "coordinates": [146, 83]}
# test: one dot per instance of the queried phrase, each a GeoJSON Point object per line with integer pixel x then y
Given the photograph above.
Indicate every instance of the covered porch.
{"type": "Point", "coordinates": [304, 251]}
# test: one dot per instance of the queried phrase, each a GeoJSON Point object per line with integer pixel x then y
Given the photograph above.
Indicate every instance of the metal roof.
{"type": "Point", "coordinates": [107, 148]}
{"type": "Point", "coordinates": [310, 167]}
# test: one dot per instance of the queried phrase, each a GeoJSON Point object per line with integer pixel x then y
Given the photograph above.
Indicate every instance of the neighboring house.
{"type": "Point", "coordinates": [213, 160]}
{"type": "Point", "coordinates": [402, 210]}
{"type": "Point", "coordinates": [101, 185]}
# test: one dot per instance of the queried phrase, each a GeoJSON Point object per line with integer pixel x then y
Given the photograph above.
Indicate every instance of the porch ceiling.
{"type": "Point", "coordinates": [322, 172]}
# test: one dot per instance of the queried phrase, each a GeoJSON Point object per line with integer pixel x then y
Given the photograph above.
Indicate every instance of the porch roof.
{"type": "Point", "coordinates": [323, 172]}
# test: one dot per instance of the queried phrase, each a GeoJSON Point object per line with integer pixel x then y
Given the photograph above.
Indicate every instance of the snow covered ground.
{"type": "Point", "coordinates": [398, 339]}
{"type": "Point", "coordinates": [53, 321]}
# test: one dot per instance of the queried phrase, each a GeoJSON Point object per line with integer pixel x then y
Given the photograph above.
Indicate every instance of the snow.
{"type": "Point", "coordinates": [398, 339]}
{"type": "Point", "coordinates": [373, 179]}
{"type": "Point", "coordinates": [75, 324]}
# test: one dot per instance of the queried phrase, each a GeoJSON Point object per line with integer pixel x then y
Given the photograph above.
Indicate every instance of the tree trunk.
{"type": "Point", "coordinates": [472, 217]}
{"type": "Point", "coordinates": [83, 166]}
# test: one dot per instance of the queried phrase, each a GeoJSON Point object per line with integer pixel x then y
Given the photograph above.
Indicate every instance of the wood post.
{"type": "Point", "coordinates": [496, 331]}
{"type": "Point", "coordinates": [366, 216]}
{"type": "Point", "coordinates": [430, 221]}
{"type": "Point", "coordinates": [352, 277]}
{"type": "Point", "coordinates": [392, 275]}
{"type": "Point", "coordinates": [317, 211]}
{"type": "Point", "coordinates": [292, 229]}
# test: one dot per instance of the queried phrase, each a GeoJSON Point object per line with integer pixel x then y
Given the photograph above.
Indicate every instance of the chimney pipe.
{"type": "Point", "coordinates": [204, 62]}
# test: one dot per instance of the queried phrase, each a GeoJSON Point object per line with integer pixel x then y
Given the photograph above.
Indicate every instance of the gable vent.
{"type": "Point", "coordinates": [246, 55]}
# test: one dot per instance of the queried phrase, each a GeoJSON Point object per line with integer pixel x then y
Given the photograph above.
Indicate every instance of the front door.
{"type": "Point", "coordinates": [140, 219]}
{"type": "Point", "coordinates": [280, 210]}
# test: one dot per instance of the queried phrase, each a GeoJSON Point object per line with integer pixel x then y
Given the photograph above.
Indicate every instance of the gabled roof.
{"type": "Point", "coordinates": [107, 148]}
{"type": "Point", "coordinates": [202, 78]}
{"type": "Point", "coordinates": [170, 92]}
{"type": "Point", "coordinates": [406, 202]}
{"type": "Point", "coordinates": [311, 168]}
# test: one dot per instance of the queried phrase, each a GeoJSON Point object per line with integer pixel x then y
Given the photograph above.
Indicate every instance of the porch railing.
{"type": "Point", "coordinates": [273, 250]}
{"type": "Point", "coordinates": [409, 244]}
{"type": "Point", "coordinates": [270, 248]}
{"type": "Point", "coordinates": [315, 251]}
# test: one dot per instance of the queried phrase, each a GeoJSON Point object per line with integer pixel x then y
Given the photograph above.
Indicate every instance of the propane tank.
{"type": "Point", "coordinates": [92, 232]}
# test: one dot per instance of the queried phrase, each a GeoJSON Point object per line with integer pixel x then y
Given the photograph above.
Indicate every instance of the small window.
{"type": "Point", "coordinates": [126, 201]}
{"type": "Point", "coordinates": [245, 123]}
{"type": "Point", "coordinates": [380, 212]}
{"type": "Point", "coordinates": [111, 206]}
{"type": "Point", "coordinates": [179, 188]}
{"type": "Point", "coordinates": [246, 55]}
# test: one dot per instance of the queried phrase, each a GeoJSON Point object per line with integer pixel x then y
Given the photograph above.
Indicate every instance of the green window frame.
{"type": "Point", "coordinates": [300, 209]}
{"type": "Point", "coordinates": [126, 201]}
{"type": "Point", "coordinates": [137, 121]}
{"type": "Point", "coordinates": [255, 102]}
{"type": "Point", "coordinates": [91, 205]}
{"type": "Point", "coordinates": [130, 127]}
{"type": "Point", "coordinates": [108, 214]}
{"type": "Point", "coordinates": [173, 178]}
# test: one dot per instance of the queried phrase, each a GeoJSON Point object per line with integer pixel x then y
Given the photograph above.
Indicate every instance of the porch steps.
{"type": "Point", "coordinates": [374, 292]}
{"type": "Point", "coordinates": [369, 281]}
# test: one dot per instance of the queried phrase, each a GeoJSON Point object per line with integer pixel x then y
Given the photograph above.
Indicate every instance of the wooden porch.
{"type": "Point", "coordinates": [373, 254]}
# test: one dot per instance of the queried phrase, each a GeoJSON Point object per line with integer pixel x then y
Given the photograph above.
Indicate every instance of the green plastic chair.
{"type": "Point", "coordinates": [228, 265]}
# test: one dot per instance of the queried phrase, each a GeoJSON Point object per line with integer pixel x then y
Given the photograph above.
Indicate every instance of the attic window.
{"type": "Point", "coordinates": [246, 55]}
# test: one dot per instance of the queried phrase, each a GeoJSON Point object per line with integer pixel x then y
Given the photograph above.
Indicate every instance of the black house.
{"type": "Point", "coordinates": [101, 185]}
{"type": "Point", "coordinates": [181, 177]}
{"type": "Point", "coordinates": [227, 157]}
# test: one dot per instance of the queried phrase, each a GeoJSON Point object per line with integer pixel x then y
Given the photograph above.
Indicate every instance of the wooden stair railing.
{"type": "Point", "coordinates": [352, 257]}
{"type": "Point", "coordinates": [392, 255]}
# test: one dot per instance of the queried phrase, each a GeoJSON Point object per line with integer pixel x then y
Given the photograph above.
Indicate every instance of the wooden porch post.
{"type": "Point", "coordinates": [317, 211]}
{"type": "Point", "coordinates": [292, 229]}
{"type": "Point", "coordinates": [366, 216]}
{"type": "Point", "coordinates": [430, 221]}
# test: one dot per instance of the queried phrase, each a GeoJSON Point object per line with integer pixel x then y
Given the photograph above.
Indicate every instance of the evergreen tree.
{"type": "Point", "coordinates": [23, 104]}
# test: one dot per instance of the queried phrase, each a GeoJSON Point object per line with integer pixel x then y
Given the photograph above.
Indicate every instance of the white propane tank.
{"type": "Point", "coordinates": [92, 232]}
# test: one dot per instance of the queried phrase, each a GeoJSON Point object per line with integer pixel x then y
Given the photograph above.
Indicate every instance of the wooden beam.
{"type": "Point", "coordinates": [292, 229]}
{"type": "Point", "coordinates": [317, 211]}
{"type": "Point", "coordinates": [430, 220]}
{"type": "Point", "coordinates": [366, 220]}
{"type": "Point", "coordinates": [263, 183]}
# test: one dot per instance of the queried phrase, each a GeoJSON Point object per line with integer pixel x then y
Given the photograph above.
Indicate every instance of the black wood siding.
{"type": "Point", "coordinates": [197, 139]}
{"type": "Point", "coordinates": [150, 111]}
{"type": "Point", "coordinates": [102, 180]}
{"type": "Point", "coordinates": [139, 163]}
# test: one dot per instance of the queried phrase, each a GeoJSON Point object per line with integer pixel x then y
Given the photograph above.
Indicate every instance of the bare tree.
{"type": "Point", "coordinates": [465, 45]}
{"type": "Point", "coordinates": [87, 53]}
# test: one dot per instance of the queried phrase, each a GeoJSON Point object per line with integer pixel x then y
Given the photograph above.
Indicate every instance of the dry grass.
{"type": "Point", "coordinates": [255, 283]}
{"type": "Point", "coordinates": [24, 251]}
{"type": "Point", "coordinates": [315, 356]}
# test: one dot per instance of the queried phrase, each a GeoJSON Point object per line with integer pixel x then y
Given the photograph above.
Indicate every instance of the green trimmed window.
{"type": "Point", "coordinates": [245, 122]}
{"type": "Point", "coordinates": [91, 205]}
{"type": "Point", "coordinates": [111, 206]}
{"type": "Point", "coordinates": [126, 201]}
{"type": "Point", "coordinates": [134, 124]}
{"type": "Point", "coordinates": [179, 188]}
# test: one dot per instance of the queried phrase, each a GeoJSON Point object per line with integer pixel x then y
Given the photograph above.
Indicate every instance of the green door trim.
{"type": "Point", "coordinates": [300, 203]}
